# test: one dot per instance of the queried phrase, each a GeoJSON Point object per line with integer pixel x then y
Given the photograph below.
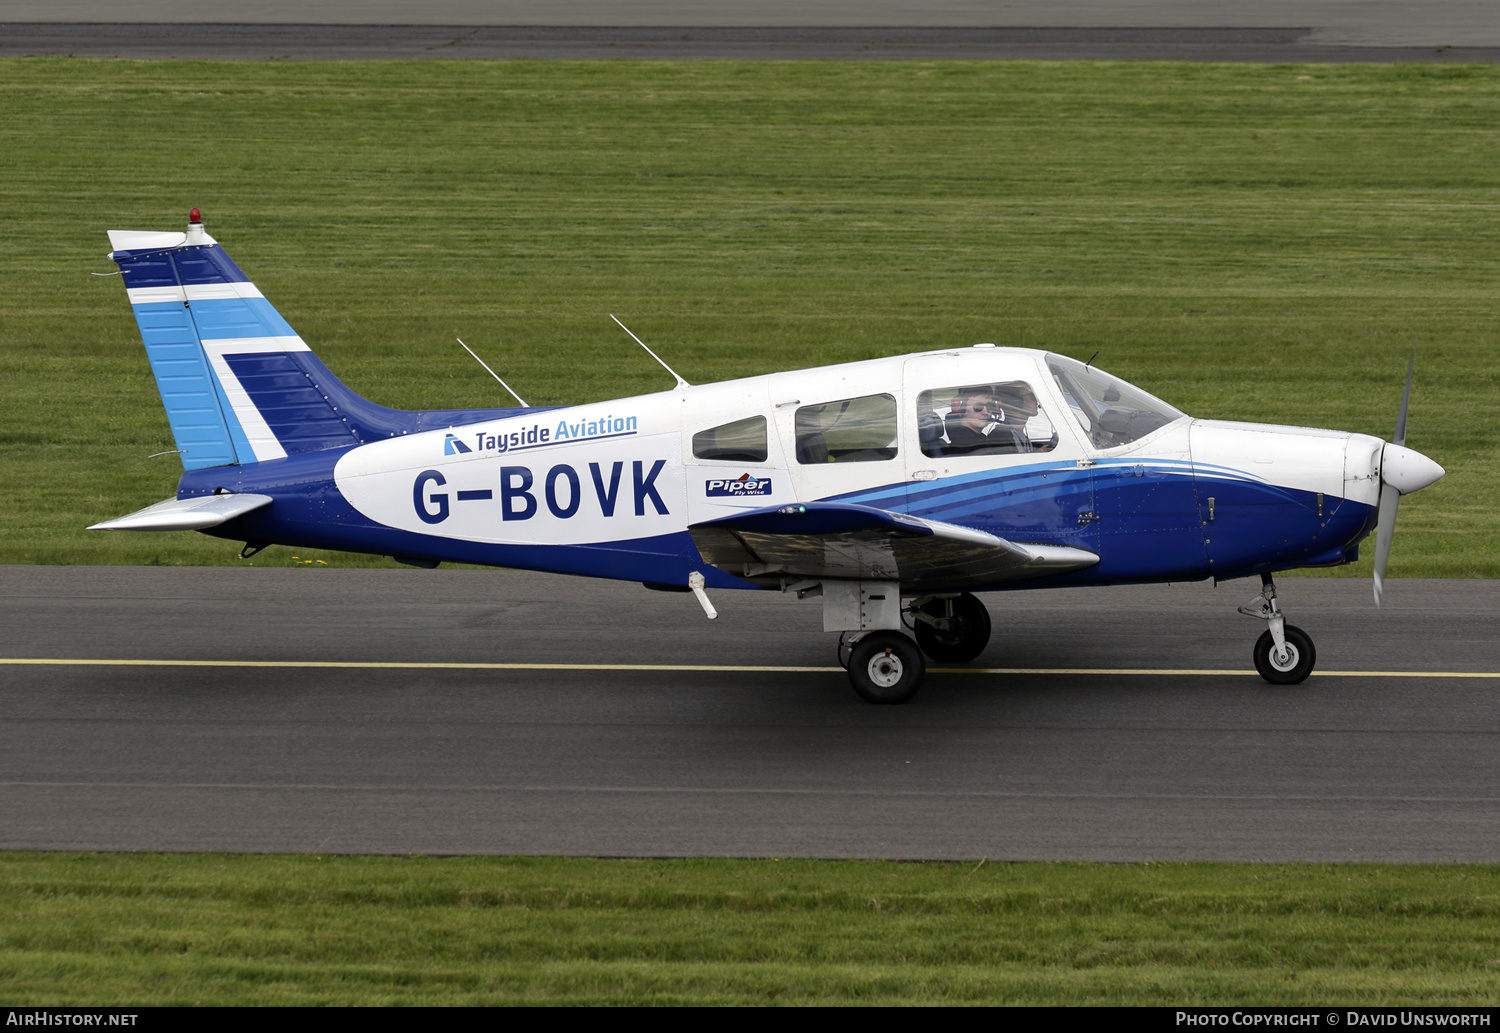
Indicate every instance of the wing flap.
{"type": "Point", "coordinates": [838, 541]}
{"type": "Point", "coordinates": [186, 514]}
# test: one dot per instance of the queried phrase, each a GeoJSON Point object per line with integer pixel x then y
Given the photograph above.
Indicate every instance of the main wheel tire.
{"type": "Point", "coordinates": [966, 635]}
{"type": "Point", "coordinates": [1300, 658]}
{"type": "Point", "coordinates": [886, 667]}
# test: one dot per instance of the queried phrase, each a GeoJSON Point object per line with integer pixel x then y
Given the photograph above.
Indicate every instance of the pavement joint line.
{"type": "Point", "coordinates": [713, 668]}
{"type": "Point", "coordinates": [882, 793]}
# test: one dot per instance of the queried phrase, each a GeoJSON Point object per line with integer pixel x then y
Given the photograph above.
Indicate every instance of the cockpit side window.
{"type": "Point", "coordinates": [983, 419]}
{"type": "Point", "coordinates": [1110, 411]}
{"type": "Point", "coordinates": [743, 441]}
{"type": "Point", "coordinates": [851, 430]}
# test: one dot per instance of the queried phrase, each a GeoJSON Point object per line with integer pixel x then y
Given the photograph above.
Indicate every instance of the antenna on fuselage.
{"type": "Point", "coordinates": [492, 373]}
{"type": "Point", "coordinates": [1092, 357]}
{"type": "Point", "coordinates": [637, 340]}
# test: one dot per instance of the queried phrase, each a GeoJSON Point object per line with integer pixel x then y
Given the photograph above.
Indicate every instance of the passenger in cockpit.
{"type": "Point", "coordinates": [1018, 402]}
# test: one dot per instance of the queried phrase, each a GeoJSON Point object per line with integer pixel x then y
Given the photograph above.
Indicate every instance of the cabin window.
{"type": "Point", "coordinates": [851, 430]}
{"type": "Point", "coordinates": [983, 420]}
{"type": "Point", "coordinates": [1110, 411]}
{"type": "Point", "coordinates": [743, 441]}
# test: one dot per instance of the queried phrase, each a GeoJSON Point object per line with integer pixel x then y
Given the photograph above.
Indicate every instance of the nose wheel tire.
{"type": "Point", "coordinates": [886, 667]}
{"type": "Point", "coordinates": [1292, 668]}
{"type": "Point", "coordinates": [956, 638]}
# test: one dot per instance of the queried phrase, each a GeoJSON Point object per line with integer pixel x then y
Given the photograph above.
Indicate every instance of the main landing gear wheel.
{"type": "Point", "coordinates": [1291, 668]}
{"type": "Point", "coordinates": [886, 667]}
{"type": "Point", "coordinates": [958, 631]}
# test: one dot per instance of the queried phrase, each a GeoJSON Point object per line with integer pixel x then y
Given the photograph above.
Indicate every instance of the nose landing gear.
{"type": "Point", "coordinates": [1284, 654]}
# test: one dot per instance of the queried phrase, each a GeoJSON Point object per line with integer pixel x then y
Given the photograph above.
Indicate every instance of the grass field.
{"type": "Point", "coordinates": [1248, 241]}
{"type": "Point", "coordinates": [129, 929]}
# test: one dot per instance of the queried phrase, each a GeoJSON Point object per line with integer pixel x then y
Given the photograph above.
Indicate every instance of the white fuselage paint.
{"type": "Point", "coordinates": [624, 469]}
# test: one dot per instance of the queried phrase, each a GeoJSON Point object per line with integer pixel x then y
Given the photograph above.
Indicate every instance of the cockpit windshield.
{"type": "Point", "coordinates": [1110, 411]}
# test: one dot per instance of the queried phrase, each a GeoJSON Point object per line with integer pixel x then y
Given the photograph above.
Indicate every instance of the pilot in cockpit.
{"type": "Point", "coordinates": [977, 427]}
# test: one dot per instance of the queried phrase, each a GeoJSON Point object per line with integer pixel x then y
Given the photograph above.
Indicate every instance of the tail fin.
{"type": "Point", "coordinates": [238, 384]}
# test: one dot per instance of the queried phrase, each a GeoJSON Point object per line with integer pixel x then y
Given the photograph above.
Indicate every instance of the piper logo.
{"type": "Point", "coordinates": [739, 487]}
{"type": "Point", "coordinates": [453, 447]}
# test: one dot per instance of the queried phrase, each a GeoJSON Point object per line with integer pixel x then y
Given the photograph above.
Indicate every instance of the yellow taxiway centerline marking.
{"type": "Point", "coordinates": [724, 668]}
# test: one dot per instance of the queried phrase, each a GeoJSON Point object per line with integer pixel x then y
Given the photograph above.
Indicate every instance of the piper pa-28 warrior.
{"type": "Point", "coordinates": [894, 489]}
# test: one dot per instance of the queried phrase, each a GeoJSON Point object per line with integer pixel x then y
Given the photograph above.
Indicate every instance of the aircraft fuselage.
{"type": "Point", "coordinates": [610, 488]}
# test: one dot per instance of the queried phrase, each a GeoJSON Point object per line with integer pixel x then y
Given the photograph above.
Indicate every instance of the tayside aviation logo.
{"type": "Point", "coordinates": [534, 435]}
{"type": "Point", "coordinates": [740, 487]}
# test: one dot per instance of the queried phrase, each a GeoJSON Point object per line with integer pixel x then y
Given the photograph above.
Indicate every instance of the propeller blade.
{"type": "Point", "coordinates": [1385, 527]}
{"type": "Point", "coordinates": [1400, 438]}
{"type": "Point", "coordinates": [1402, 472]}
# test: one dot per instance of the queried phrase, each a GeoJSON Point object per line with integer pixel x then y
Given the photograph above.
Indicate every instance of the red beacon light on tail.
{"type": "Point", "coordinates": [195, 234]}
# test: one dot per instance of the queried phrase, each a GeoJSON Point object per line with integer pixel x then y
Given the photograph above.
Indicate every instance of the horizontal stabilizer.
{"type": "Point", "coordinates": [186, 514]}
{"type": "Point", "coordinates": [838, 541]}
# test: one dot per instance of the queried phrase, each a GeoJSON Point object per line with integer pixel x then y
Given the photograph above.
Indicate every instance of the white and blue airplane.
{"type": "Point", "coordinates": [894, 489]}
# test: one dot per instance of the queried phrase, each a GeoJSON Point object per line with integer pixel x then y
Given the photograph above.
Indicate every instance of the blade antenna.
{"type": "Point", "coordinates": [669, 369]}
{"type": "Point", "coordinates": [492, 373]}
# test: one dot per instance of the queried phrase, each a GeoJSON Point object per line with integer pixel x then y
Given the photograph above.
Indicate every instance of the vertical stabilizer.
{"type": "Point", "coordinates": [238, 384]}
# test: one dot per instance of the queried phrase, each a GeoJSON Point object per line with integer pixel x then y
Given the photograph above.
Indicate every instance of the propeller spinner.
{"type": "Point", "coordinates": [1402, 471]}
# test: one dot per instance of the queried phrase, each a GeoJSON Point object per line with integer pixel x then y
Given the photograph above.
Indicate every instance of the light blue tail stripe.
{"type": "Point", "coordinates": [220, 318]}
{"type": "Point", "coordinates": [189, 390]}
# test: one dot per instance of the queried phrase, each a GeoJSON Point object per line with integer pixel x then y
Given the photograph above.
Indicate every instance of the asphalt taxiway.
{"type": "Point", "coordinates": [502, 712]}
{"type": "Point", "coordinates": [505, 712]}
{"type": "Point", "coordinates": [1195, 30]}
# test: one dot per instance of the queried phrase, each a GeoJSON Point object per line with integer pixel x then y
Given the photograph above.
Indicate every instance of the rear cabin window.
{"type": "Point", "coordinates": [743, 441]}
{"type": "Point", "coordinates": [851, 430]}
{"type": "Point", "coordinates": [983, 420]}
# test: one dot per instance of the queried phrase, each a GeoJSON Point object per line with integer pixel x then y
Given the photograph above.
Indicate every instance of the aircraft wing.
{"type": "Point", "coordinates": [192, 514]}
{"type": "Point", "coordinates": [838, 541]}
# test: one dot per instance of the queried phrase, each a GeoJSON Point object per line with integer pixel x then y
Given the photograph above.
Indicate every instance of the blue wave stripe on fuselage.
{"type": "Point", "coordinates": [1148, 523]}
{"type": "Point", "coordinates": [956, 489]}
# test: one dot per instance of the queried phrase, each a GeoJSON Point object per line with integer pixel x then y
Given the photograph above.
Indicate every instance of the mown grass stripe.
{"type": "Point", "coordinates": [81, 929]}
{"type": "Point", "coordinates": [1249, 242]}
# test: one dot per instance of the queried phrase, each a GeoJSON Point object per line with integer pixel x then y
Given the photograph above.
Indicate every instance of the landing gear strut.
{"type": "Point", "coordinates": [1284, 654]}
{"type": "Point", "coordinates": [951, 629]}
{"type": "Point", "coordinates": [884, 665]}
